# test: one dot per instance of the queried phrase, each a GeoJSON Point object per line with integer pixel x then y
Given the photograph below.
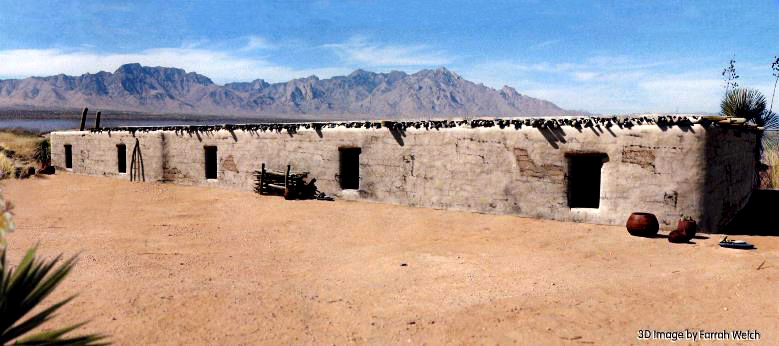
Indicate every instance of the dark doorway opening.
{"type": "Point", "coordinates": [584, 173]}
{"type": "Point", "coordinates": [68, 156]}
{"type": "Point", "coordinates": [350, 168]}
{"type": "Point", "coordinates": [210, 162]}
{"type": "Point", "coordinates": [121, 158]}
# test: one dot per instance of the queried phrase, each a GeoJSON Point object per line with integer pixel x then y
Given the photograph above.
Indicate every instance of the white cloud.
{"type": "Point", "coordinates": [612, 84]}
{"type": "Point", "coordinates": [359, 51]}
{"type": "Point", "coordinates": [220, 66]}
{"type": "Point", "coordinates": [671, 93]}
{"type": "Point", "coordinates": [600, 84]}
{"type": "Point", "coordinates": [496, 74]}
{"type": "Point", "coordinates": [544, 44]}
{"type": "Point", "coordinates": [585, 75]}
{"type": "Point", "coordinates": [193, 44]}
{"type": "Point", "coordinates": [257, 42]}
{"type": "Point", "coordinates": [597, 99]}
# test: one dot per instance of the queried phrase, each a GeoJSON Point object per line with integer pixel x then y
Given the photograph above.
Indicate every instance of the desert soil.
{"type": "Point", "coordinates": [166, 264]}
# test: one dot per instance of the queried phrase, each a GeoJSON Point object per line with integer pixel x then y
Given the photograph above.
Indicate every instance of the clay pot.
{"type": "Point", "coordinates": [678, 236]}
{"type": "Point", "coordinates": [642, 225]}
{"type": "Point", "coordinates": [688, 227]}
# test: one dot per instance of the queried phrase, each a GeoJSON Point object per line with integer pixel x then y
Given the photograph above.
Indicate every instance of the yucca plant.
{"type": "Point", "coordinates": [730, 76]}
{"type": "Point", "coordinates": [43, 153]}
{"type": "Point", "coordinates": [22, 289]}
{"type": "Point", "coordinates": [749, 104]}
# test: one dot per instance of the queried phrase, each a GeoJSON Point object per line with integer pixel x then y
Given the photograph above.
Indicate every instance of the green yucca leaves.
{"type": "Point", "coordinates": [749, 104]}
{"type": "Point", "coordinates": [22, 289]}
{"type": "Point", "coordinates": [743, 103]}
{"type": "Point", "coordinates": [43, 152]}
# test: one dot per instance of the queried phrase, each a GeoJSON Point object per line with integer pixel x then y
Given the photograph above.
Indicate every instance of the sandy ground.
{"type": "Point", "coordinates": [165, 264]}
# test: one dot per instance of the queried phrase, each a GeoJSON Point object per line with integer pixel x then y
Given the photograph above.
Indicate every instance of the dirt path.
{"type": "Point", "coordinates": [170, 264]}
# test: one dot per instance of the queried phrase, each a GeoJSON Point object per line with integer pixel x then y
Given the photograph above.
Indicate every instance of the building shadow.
{"type": "Point", "coordinates": [726, 194]}
{"type": "Point", "coordinates": [398, 134]}
{"type": "Point", "coordinates": [756, 218]}
{"type": "Point", "coordinates": [686, 128]}
{"type": "Point", "coordinates": [137, 171]}
{"type": "Point", "coordinates": [553, 136]}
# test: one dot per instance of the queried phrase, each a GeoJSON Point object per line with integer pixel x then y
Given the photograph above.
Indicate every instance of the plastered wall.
{"type": "Point", "coordinates": [702, 172]}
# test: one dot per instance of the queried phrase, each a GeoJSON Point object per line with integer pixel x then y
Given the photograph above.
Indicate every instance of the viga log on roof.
{"type": "Point", "coordinates": [582, 169]}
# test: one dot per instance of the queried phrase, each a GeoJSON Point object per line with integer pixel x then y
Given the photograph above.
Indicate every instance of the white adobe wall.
{"type": "Point", "coordinates": [702, 172]}
{"type": "Point", "coordinates": [97, 155]}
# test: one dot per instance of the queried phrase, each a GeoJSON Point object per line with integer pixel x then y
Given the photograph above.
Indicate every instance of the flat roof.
{"type": "Point", "coordinates": [516, 122]}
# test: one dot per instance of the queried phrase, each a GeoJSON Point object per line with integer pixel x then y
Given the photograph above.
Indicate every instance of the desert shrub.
{"type": "Point", "coordinates": [749, 104]}
{"type": "Point", "coordinates": [23, 145]}
{"type": "Point", "coordinates": [43, 152]}
{"type": "Point", "coordinates": [743, 103]}
{"type": "Point", "coordinates": [6, 167]}
{"type": "Point", "coordinates": [771, 159]}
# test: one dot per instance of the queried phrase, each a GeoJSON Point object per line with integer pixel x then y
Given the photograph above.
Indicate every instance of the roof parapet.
{"type": "Point", "coordinates": [625, 121]}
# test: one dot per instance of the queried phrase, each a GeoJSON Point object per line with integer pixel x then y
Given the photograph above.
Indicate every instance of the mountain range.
{"type": "Point", "coordinates": [361, 94]}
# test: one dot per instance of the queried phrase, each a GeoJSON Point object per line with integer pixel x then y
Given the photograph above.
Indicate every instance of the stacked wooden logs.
{"type": "Point", "coordinates": [287, 184]}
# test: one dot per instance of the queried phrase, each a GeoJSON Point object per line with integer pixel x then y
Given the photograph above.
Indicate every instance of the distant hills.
{"type": "Point", "coordinates": [361, 94]}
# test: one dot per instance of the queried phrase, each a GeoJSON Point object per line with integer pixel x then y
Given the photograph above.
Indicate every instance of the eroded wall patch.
{"type": "Point", "coordinates": [639, 155]}
{"type": "Point", "coordinates": [528, 167]}
{"type": "Point", "coordinates": [229, 164]}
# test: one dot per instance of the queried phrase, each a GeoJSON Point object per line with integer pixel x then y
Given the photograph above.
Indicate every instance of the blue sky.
{"type": "Point", "coordinates": [605, 57]}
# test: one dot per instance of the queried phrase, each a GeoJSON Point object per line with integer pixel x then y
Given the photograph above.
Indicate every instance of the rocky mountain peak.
{"type": "Point", "coordinates": [440, 75]}
{"type": "Point", "coordinates": [509, 92]}
{"type": "Point", "coordinates": [129, 69]}
{"type": "Point", "coordinates": [361, 73]}
{"type": "Point", "coordinates": [159, 74]}
{"type": "Point", "coordinates": [361, 94]}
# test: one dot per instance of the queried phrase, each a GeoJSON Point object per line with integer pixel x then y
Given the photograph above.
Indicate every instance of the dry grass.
{"type": "Point", "coordinates": [6, 167]}
{"type": "Point", "coordinates": [771, 158]}
{"type": "Point", "coordinates": [24, 145]}
{"type": "Point", "coordinates": [18, 148]}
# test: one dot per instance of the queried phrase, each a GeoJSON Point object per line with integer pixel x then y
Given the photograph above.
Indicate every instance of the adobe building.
{"type": "Point", "coordinates": [587, 169]}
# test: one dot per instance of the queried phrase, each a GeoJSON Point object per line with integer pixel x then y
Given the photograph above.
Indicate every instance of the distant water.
{"type": "Point", "coordinates": [43, 125]}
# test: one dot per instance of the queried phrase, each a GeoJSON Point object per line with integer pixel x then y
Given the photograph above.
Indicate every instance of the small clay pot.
{"type": "Point", "coordinates": [688, 227]}
{"type": "Point", "coordinates": [642, 225]}
{"type": "Point", "coordinates": [678, 236]}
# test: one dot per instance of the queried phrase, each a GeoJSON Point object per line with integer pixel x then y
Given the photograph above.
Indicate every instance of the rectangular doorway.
{"type": "Point", "coordinates": [210, 152]}
{"type": "Point", "coordinates": [584, 175]}
{"type": "Point", "coordinates": [350, 168]}
{"type": "Point", "coordinates": [68, 156]}
{"type": "Point", "coordinates": [121, 158]}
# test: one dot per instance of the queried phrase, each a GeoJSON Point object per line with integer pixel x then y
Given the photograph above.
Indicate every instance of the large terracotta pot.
{"type": "Point", "coordinates": [688, 227]}
{"type": "Point", "coordinates": [642, 224]}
